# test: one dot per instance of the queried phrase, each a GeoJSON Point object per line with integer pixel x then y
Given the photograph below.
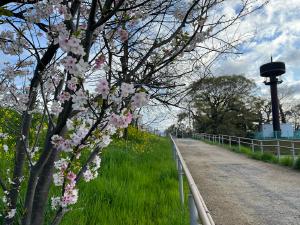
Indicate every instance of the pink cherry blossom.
{"type": "Point", "coordinates": [88, 175]}
{"type": "Point", "coordinates": [102, 88]}
{"type": "Point", "coordinates": [56, 108]}
{"type": "Point", "coordinates": [71, 176]}
{"type": "Point", "coordinates": [71, 44]}
{"type": "Point", "coordinates": [58, 179]}
{"type": "Point", "coordinates": [128, 118]}
{"type": "Point", "coordinates": [61, 164]}
{"type": "Point", "coordinates": [123, 35]}
{"type": "Point", "coordinates": [139, 99]}
{"type": "Point", "coordinates": [72, 84]}
{"type": "Point", "coordinates": [127, 89]}
{"type": "Point", "coordinates": [55, 202]}
{"type": "Point", "coordinates": [120, 121]}
{"type": "Point", "coordinates": [61, 144]}
{"type": "Point", "coordinates": [79, 99]}
{"type": "Point", "coordinates": [70, 64]}
{"type": "Point", "coordinates": [99, 61]}
{"type": "Point", "coordinates": [64, 96]}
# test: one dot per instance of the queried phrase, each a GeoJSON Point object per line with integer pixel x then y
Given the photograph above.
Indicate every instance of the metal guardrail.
{"type": "Point", "coordinates": [280, 146]}
{"type": "Point", "coordinates": [197, 207]}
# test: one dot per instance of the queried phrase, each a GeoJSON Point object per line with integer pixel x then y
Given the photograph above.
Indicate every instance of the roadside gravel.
{"type": "Point", "coordinates": [242, 191]}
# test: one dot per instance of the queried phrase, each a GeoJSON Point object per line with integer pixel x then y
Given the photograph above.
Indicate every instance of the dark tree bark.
{"type": "Point", "coordinates": [282, 114]}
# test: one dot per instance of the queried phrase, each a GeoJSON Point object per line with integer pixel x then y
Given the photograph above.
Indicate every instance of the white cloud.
{"type": "Point", "coordinates": [276, 30]}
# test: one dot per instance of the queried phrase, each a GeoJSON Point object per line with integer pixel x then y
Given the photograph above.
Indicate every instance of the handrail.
{"type": "Point", "coordinates": [202, 210]}
{"type": "Point", "coordinates": [280, 144]}
{"type": "Point", "coordinates": [244, 138]}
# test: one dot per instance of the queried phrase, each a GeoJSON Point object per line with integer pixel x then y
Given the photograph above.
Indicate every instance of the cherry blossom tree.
{"type": "Point", "coordinates": [75, 71]}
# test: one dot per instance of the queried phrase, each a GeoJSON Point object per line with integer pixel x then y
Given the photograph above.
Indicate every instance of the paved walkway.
{"type": "Point", "coordinates": [242, 191]}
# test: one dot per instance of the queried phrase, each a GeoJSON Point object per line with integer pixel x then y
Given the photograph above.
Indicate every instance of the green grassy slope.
{"type": "Point", "coordinates": [138, 185]}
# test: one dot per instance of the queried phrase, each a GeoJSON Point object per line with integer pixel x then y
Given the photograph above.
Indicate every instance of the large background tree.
{"type": "Point", "coordinates": [225, 105]}
{"type": "Point", "coordinates": [293, 115]}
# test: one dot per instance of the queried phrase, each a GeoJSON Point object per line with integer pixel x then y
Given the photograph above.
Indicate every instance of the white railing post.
{"type": "Point", "coordinates": [229, 142]}
{"type": "Point", "coordinates": [261, 147]}
{"type": "Point", "coordinates": [193, 211]}
{"type": "Point", "coordinates": [252, 145]}
{"type": "Point", "coordinates": [176, 160]}
{"type": "Point", "coordinates": [174, 152]}
{"type": "Point", "coordinates": [219, 139]}
{"type": "Point", "coordinates": [222, 140]}
{"type": "Point", "coordinates": [180, 175]}
{"type": "Point", "coordinates": [278, 150]}
{"type": "Point", "coordinates": [239, 142]}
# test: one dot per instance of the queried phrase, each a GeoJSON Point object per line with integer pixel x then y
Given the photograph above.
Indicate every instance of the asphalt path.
{"type": "Point", "coordinates": [241, 191]}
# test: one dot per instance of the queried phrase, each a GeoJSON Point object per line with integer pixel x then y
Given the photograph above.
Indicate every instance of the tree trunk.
{"type": "Point", "coordinates": [58, 217]}
{"type": "Point", "coordinates": [282, 115]}
{"type": "Point", "coordinates": [33, 179]}
{"type": "Point", "coordinates": [19, 164]}
{"type": "Point", "coordinates": [42, 190]}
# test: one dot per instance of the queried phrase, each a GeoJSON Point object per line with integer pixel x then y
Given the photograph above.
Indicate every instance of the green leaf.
{"type": "Point", "coordinates": [5, 12]}
{"type": "Point", "coordinates": [77, 33]}
{"type": "Point", "coordinates": [100, 102]}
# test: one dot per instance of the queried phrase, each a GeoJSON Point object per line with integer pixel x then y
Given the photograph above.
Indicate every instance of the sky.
{"type": "Point", "coordinates": [275, 31]}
